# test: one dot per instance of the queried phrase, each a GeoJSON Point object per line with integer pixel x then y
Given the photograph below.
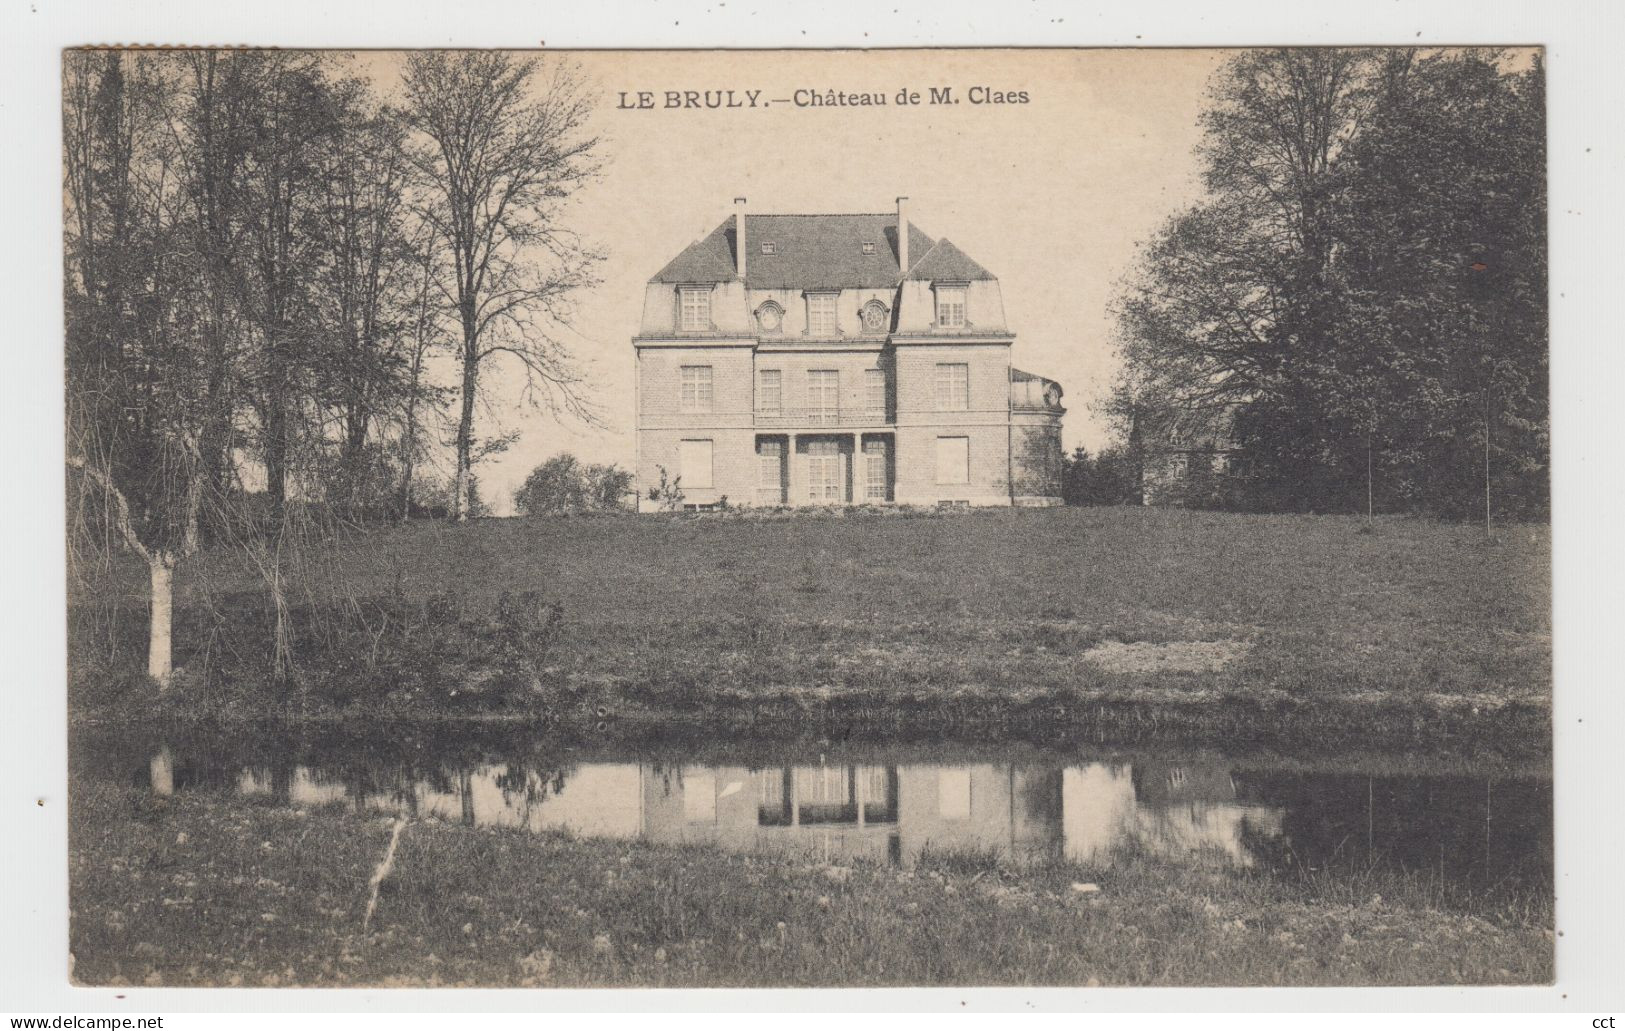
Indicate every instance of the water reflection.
{"type": "Point", "coordinates": [1462, 828]}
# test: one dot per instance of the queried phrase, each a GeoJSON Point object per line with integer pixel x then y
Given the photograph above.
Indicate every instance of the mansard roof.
{"type": "Point", "coordinates": [812, 252]}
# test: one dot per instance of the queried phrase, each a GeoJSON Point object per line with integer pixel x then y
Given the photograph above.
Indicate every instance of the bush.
{"type": "Point", "coordinates": [562, 485]}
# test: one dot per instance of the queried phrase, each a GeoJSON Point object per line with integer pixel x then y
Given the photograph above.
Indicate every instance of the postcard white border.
{"type": "Point", "coordinates": [1586, 174]}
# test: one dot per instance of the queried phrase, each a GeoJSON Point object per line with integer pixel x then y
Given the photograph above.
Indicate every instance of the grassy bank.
{"type": "Point", "coordinates": [1119, 618]}
{"type": "Point", "coordinates": [203, 890]}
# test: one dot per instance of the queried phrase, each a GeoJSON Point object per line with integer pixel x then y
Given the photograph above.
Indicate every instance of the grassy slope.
{"type": "Point", "coordinates": [681, 611]}
{"type": "Point", "coordinates": [196, 890]}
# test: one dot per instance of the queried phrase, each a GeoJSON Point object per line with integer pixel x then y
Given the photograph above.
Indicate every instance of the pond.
{"type": "Point", "coordinates": [1483, 831]}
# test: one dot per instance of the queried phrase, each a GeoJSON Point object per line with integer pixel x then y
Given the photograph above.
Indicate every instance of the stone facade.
{"type": "Point", "coordinates": [836, 359]}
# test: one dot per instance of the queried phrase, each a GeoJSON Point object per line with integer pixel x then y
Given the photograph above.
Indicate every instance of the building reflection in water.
{"type": "Point", "coordinates": [834, 813]}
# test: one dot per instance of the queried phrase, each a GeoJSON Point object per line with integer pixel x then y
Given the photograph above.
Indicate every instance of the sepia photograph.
{"type": "Point", "coordinates": [808, 518]}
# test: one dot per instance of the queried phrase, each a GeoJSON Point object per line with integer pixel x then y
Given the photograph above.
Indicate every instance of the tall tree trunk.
{"type": "Point", "coordinates": [409, 438]}
{"type": "Point", "coordinates": [461, 502]}
{"type": "Point", "coordinates": [409, 449]}
{"type": "Point", "coordinates": [353, 457]}
{"type": "Point", "coordinates": [276, 453]}
{"type": "Point", "coordinates": [161, 569]}
{"type": "Point", "coordinates": [160, 561]}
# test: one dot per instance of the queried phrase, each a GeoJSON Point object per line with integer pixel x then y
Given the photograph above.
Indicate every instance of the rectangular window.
{"type": "Point", "coordinates": [951, 307]}
{"type": "Point", "coordinates": [824, 396]}
{"type": "Point", "coordinates": [874, 391]}
{"type": "Point", "coordinates": [694, 463]}
{"type": "Point", "coordinates": [821, 321]}
{"type": "Point", "coordinates": [696, 308]}
{"type": "Point", "coordinates": [953, 387]}
{"type": "Point", "coordinates": [876, 474]}
{"type": "Point", "coordinates": [770, 464]}
{"type": "Point", "coordinates": [953, 459]}
{"type": "Point", "coordinates": [825, 475]}
{"type": "Point", "coordinates": [769, 391]}
{"type": "Point", "coordinates": [696, 390]}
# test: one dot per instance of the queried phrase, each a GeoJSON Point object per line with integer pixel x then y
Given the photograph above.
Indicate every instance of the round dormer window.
{"type": "Point", "coordinates": [770, 317]}
{"type": "Point", "coordinates": [874, 317]}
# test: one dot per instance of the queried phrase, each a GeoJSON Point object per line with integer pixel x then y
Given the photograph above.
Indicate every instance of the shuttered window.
{"type": "Point", "coordinates": [953, 460]}
{"type": "Point", "coordinates": [694, 463]}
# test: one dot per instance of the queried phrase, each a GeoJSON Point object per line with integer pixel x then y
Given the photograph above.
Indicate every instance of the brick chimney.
{"type": "Point", "coordinates": [902, 235]}
{"type": "Point", "coordinates": [739, 234]}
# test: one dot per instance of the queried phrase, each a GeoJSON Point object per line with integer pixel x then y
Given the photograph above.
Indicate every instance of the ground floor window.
{"type": "Point", "coordinates": [770, 474]}
{"type": "Point", "coordinates": [953, 460]}
{"type": "Point", "coordinates": [876, 470]}
{"type": "Point", "coordinates": [694, 463]}
{"type": "Point", "coordinates": [825, 476]}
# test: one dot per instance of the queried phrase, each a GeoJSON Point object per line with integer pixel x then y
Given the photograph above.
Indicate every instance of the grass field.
{"type": "Point", "coordinates": [1032, 610]}
{"type": "Point", "coordinates": [204, 890]}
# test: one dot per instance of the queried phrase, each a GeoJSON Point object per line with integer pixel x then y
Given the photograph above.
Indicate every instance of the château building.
{"type": "Point", "coordinates": [835, 360]}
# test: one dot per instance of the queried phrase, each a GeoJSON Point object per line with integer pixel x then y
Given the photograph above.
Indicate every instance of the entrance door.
{"type": "Point", "coordinates": [826, 479]}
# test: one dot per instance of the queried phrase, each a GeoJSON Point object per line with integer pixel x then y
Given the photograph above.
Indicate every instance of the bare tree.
{"type": "Point", "coordinates": [501, 150]}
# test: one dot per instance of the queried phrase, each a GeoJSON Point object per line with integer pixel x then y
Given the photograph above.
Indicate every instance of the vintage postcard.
{"type": "Point", "coordinates": [808, 518]}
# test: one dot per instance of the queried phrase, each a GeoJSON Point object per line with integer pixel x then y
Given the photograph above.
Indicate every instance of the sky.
{"type": "Point", "coordinates": [1053, 196]}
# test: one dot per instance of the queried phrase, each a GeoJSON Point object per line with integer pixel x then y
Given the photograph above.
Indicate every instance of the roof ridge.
{"type": "Point", "coordinates": [928, 252]}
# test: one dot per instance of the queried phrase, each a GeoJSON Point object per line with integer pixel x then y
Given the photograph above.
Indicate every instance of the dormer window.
{"type": "Point", "coordinates": [821, 320]}
{"type": "Point", "coordinates": [875, 317]}
{"type": "Point", "coordinates": [695, 306]}
{"type": "Point", "coordinates": [951, 307]}
{"type": "Point", "coordinates": [768, 247]}
{"type": "Point", "coordinates": [868, 248]}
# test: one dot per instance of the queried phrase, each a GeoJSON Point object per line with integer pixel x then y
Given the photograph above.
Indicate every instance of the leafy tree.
{"type": "Point", "coordinates": [297, 119]}
{"type": "Point", "coordinates": [138, 366]}
{"type": "Point", "coordinates": [371, 298]}
{"type": "Point", "coordinates": [257, 270]}
{"type": "Point", "coordinates": [1110, 477]}
{"type": "Point", "coordinates": [553, 488]}
{"type": "Point", "coordinates": [607, 487]}
{"type": "Point", "coordinates": [1445, 273]}
{"type": "Point", "coordinates": [562, 485]}
{"type": "Point", "coordinates": [1364, 284]}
